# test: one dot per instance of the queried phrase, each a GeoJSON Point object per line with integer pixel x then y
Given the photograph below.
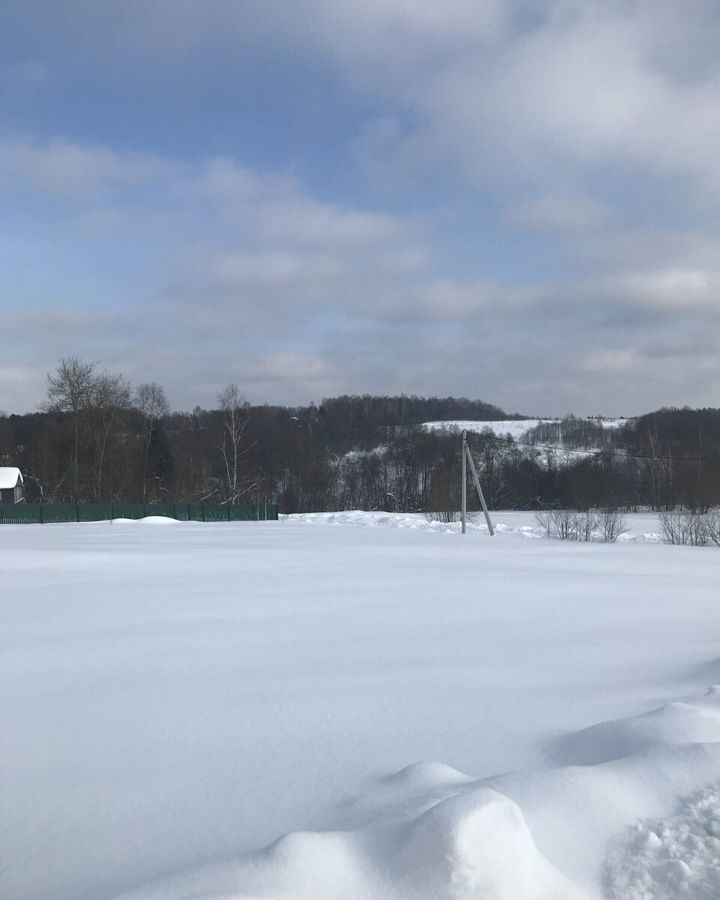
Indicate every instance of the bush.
{"type": "Point", "coordinates": [712, 527]}
{"type": "Point", "coordinates": [612, 525]}
{"type": "Point", "coordinates": [568, 525]}
{"type": "Point", "coordinates": [445, 516]}
{"type": "Point", "coordinates": [684, 527]}
{"type": "Point", "coordinates": [560, 524]}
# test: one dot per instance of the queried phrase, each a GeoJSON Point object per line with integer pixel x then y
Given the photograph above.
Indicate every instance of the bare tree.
{"type": "Point", "coordinates": [233, 447]}
{"type": "Point", "coordinates": [568, 525]}
{"type": "Point", "coordinates": [153, 406]}
{"type": "Point", "coordinates": [109, 399]}
{"type": "Point", "coordinates": [561, 524]}
{"type": "Point", "coordinates": [446, 516]}
{"type": "Point", "coordinates": [586, 526]}
{"type": "Point", "coordinates": [683, 527]}
{"type": "Point", "coordinates": [70, 390]}
{"type": "Point", "coordinates": [712, 527]}
{"type": "Point", "coordinates": [660, 469]}
{"type": "Point", "coordinates": [611, 525]}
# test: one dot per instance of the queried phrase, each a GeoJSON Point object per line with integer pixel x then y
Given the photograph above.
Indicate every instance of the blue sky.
{"type": "Point", "coordinates": [512, 200]}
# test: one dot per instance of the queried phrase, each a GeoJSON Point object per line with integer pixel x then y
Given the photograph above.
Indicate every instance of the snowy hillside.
{"type": "Point", "coordinates": [559, 442]}
{"type": "Point", "coordinates": [516, 428]}
{"type": "Point", "coordinates": [346, 694]}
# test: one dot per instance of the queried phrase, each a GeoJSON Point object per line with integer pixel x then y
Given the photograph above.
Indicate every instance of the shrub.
{"type": "Point", "coordinates": [712, 527]}
{"type": "Point", "coordinates": [445, 516]}
{"type": "Point", "coordinates": [612, 525]}
{"type": "Point", "coordinates": [568, 525]}
{"type": "Point", "coordinates": [684, 527]}
{"type": "Point", "coordinates": [559, 524]}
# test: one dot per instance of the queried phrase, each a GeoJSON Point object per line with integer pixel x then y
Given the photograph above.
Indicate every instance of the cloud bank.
{"type": "Point", "coordinates": [510, 200]}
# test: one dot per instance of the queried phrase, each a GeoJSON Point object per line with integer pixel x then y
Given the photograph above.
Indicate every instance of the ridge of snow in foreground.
{"type": "Point", "coordinates": [432, 832]}
{"type": "Point", "coordinates": [174, 699]}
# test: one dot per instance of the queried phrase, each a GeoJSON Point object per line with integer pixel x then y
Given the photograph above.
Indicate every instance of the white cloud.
{"type": "Point", "coordinates": [621, 361]}
{"type": "Point", "coordinates": [509, 89]}
{"type": "Point", "coordinates": [359, 34]}
{"type": "Point", "coordinates": [109, 190]}
{"type": "Point", "coordinates": [268, 272]}
{"type": "Point", "coordinates": [20, 385]}
{"type": "Point", "coordinates": [577, 121]}
{"type": "Point", "coordinates": [560, 211]}
{"type": "Point", "coordinates": [670, 287]}
{"type": "Point", "coordinates": [334, 298]}
{"type": "Point", "coordinates": [457, 300]}
{"type": "Point", "coordinates": [288, 366]}
{"type": "Point", "coordinates": [579, 94]}
{"type": "Point", "coordinates": [75, 170]}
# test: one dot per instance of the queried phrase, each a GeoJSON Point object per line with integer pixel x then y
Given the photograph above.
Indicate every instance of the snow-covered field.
{"type": "Point", "coordinates": [425, 715]}
{"type": "Point", "coordinates": [516, 428]}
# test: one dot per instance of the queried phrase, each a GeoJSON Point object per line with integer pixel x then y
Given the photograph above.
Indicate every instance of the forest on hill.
{"type": "Point", "coordinates": [96, 438]}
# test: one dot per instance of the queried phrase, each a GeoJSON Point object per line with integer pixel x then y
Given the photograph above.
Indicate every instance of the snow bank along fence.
{"type": "Point", "coordinates": [40, 513]}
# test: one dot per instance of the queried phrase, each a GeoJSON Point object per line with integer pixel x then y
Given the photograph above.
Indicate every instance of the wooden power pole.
{"type": "Point", "coordinates": [467, 458]}
{"type": "Point", "coordinates": [464, 483]}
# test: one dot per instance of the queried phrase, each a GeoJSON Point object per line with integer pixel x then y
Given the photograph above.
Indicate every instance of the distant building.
{"type": "Point", "coordinates": [11, 484]}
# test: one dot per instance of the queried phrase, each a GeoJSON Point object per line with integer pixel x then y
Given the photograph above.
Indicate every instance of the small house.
{"type": "Point", "coordinates": [11, 484]}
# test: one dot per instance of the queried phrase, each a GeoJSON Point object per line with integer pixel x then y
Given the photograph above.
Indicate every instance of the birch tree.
{"type": "Point", "coordinates": [153, 406]}
{"type": "Point", "coordinates": [109, 400]}
{"type": "Point", "coordinates": [233, 445]}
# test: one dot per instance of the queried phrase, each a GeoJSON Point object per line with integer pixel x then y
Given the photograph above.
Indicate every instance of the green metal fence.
{"type": "Point", "coordinates": [44, 513]}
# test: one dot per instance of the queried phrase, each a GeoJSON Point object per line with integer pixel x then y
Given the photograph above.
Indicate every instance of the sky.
{"type": "Point", "coordinates": [511, 200]}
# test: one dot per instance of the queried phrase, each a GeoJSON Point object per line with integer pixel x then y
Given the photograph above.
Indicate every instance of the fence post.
{"type": "Point", "coordinates": [41, 515]}
{"type": "Point", "coordinates": [77, 511]}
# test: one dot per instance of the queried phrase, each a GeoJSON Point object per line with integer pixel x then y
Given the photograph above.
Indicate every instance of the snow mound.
{"type": "Point", "coordinates": [475, 845]}
{"type": "Point", "coordinates": [472, 846]}
{"type": "Point", "coordinates": [146, 520]}
{"type": "Point", "coordinates": [574, 832]}
{"type": "Point", "coordinates": [413, 521]}
{"type": "Point", "coordinates": [665, 859]}
{"type": "Point", "coordinates": [643, 527]}
{"type": "Point", "coordinates": [678, 722]}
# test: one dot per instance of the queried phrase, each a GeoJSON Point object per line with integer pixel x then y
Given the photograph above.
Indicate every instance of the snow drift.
{"type": "Point", "coordinates": [175, 700]}
{"type": "Point", "coordinates": [431, 832]}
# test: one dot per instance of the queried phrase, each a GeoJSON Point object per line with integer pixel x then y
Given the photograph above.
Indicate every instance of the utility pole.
{"type": "Point", "coordinates": [467, 456]}
{"type": "Point", "coordinates": [464, 483]}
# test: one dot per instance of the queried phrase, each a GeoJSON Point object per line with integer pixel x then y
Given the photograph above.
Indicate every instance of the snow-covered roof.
{"type": "Point", "coordinates": [9, 477]}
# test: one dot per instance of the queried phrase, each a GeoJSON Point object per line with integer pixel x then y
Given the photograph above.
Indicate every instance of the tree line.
{"type": "Point", "coordinates": [97, 438]}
